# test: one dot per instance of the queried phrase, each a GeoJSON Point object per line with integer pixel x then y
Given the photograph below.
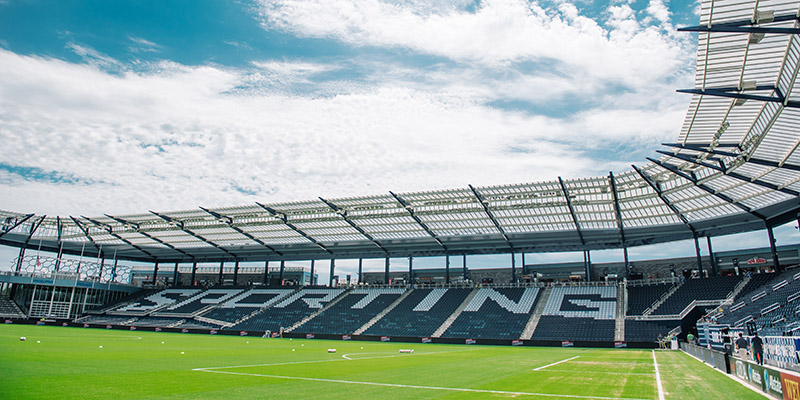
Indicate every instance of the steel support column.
{"type": "Point", "coordinates": [236, 273]}
{"type": "Point", "coordinates": [411, 271]}
{"type": "Point", "coordinates": [155, 272]}
{"type": "Point", "coordinates": [175, 275]}
{"type": "Point", "coordinates": [360, 264]}
{"type": "Point", "coordinates": [280, 273]}
{"type": "Point", "coordinates": [219, 278]}
{"type": "Point", "coordinates": [697, 253]}
{"type": "Point", "coordinates": [447, 268]}
{"type": "Point", "coordinates": [712, 257]}
{"type": "Point", "coordinates": [464, 265]}
{"type": "Point", "coordinates": [313, 282]}
{"type": "Point", "coordinates": [194, 273]}
{"type": "Point", "coordinates": [513, 268]}
{"type": "Point", "coordinates": [775, 262]}
{"type": "Point", "coordinates": [386, 272]}
{"type": "Point", "coordinates": [330, 277]}
{"type": "Point", "coordinates": [587, 259]}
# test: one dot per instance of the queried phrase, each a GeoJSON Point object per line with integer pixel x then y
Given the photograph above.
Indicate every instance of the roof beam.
{"type": "Point", "coordinates": [18, 223]}
{"type": "Point", "coordinates": [343, 213]}
{"type": "Point", "coordinates": [705, 188]}
{"type": "Point", "coordinates": [747, 26]}
{"type": "Point", "coordinates": [86, 233]}
{"type": "Point", "coordinates": [485, 205]}
{"type": "Point", "coordinates": [416, 218]}
{"type": "Point", "coordinates": [111, 232]}
{"type": "Point", "coordinates": [732, 174]}
{"type": "Point", "coordinates": [735, 93]}
{"type": "Point", "coordinates": [180, 225]}
{"type": "Point", "coordinates": [571, 210]}
{"type": "Point", "coordinates": [147, 235]}
{"type": "Point", "coordinates": [663, 198]}
{"type": "Point", "coordinates": [229, 221]}
{"type": "Point", "coordinates": [286, 222]}
{"type": "Point", "coordinates": [752, 160]}
{"type": "Point", "coordinates": [616, 207]}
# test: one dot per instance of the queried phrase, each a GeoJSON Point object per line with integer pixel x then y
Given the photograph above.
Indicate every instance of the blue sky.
{"type": "Point", "coordinates": [123, 106]}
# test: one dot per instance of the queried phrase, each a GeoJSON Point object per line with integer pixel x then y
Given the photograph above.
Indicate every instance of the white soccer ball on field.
{"type": "Point", "coordinates": [22, 338]}
{"type": "Point", "coordinates": [100, 347]}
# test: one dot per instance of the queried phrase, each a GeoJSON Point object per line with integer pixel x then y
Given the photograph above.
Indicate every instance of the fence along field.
{"type": "Point", "coordinates": [64, 362]}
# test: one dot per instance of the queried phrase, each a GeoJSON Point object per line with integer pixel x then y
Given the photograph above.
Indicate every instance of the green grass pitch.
{"type": "Point", "coordinates": [61, 362]}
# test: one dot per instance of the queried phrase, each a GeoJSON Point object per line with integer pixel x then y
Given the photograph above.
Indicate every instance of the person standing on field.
{"type": "Point", "coordinates": [757, 348]}
{"type": "Point", "coordinates": [741, 347]}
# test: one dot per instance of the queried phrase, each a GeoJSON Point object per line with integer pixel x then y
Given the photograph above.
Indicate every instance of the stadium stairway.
{"type": "Point", "coordinates": [738, 289]}
{"type": "Point", "coordinates": [662, 300]}
{"type": "Point", "coordinates": [222, 324]}
{"type": "Point", "coordinates": [269, 304]}
{"type": "Point", "coordinates": [622, 305]}
{"type": "Point", "coordinates": [537, 314]}
{"type": "Point", "coordinates": [320, 311]}
{"type": "Point", "coordinates": [383, 313]}
{"type": "Point", "coordinates": [449, 321]}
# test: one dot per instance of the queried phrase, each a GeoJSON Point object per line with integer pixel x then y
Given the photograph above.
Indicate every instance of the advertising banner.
{"type": "Point", "coordinates": [385, 339]}
{"type": "Point", "coordinates": [469, 341]}
{"type": "Point", "coordinates": [184, 330]}
{"type": "Point", "coordinates": [791, 386]}
{"type": "Point", "coordinates": [772, 383]}
{"type": "Point", "coordinates": [308, 336]}
{"type": "Point", "coordinates": [426, 340]}
{"type": "Point", "coordinates": [620, 345]}
{"type": "Point", "coordinates": [158, 329]}
{"type": "Point", "coordinates": [566, 343]}
{"type": "Point", "coordinates": [242, 333]}
{"type": "Point", "coordinates": [346, 337]}
{"type": "Point", "coordinates": [133, 328]}
{"type": "Point", "coordinates": [516, 342]}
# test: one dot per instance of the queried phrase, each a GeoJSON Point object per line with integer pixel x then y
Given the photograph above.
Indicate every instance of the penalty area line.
{"type": "Point", "coordinates": [397, 385]}
{"type": "Point", "coordinates": [555, 363]}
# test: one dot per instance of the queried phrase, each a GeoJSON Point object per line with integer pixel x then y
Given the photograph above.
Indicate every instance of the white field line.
{"type": "Point", "coordinates": [658, 378]}
{"type": "Point", "coordinates": [300, 378]}
{"type": "Point", "coordinates": [328, 360]}
{"type": "Point", "coordinates": [555, 363]}
{"type": "Point", "coordinates": [600, 372]}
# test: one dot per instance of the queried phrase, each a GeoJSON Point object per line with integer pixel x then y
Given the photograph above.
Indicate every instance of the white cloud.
{"type": "Point", "coordinates": [143, 45]}
{"type": "Point", "coordinates": [176, 137]}
{"type": "Point", "coordinates": [499, 32]}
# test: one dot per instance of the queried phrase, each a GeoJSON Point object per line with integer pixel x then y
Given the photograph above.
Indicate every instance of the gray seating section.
{"type": "Point", "coordinates": [290, 311]}
{"type": "Point", "coordinates": [716, 288]}
{"type": "Point", "coordinates": [647, 331]}
{"type": "Point", "coordinates": [199, 301]}
{"type": "Point", "coordinates": [598, 302]}
{"type": "Point", "coordinates": [578, 313]}
{"type": "Point", "coordinates": [495, 313]}
{"type": "Point", "coordinates": [420, 314]}
{"type": "Point", "coordinates": [641, 297]}
{"type": "Point", "coordinates": [9, 309]}
{"type": "Point", "coordinates": [246, 303]}
{"type": "Point", "coordinates": [156, 301]}
{"type": "Point", "coordinates": [352, 312]}
{"type": "Point", "coordinates": [773, 306]}
{"type": "Point", "coordinates": [574, 329]}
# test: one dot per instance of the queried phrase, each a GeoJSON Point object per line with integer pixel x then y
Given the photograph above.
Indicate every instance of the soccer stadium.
{"type": "Point", "coordinates": [384, 294]}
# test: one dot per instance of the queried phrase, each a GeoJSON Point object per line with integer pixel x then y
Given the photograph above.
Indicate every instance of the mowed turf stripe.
{"type": "Point", "coordinates": [397, 385]}
{"type": "Point", "coordinates": [329, 360]}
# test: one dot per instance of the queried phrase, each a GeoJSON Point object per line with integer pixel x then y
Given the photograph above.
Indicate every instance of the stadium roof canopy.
{"type": "Point", "coordinates": [733, 168]}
